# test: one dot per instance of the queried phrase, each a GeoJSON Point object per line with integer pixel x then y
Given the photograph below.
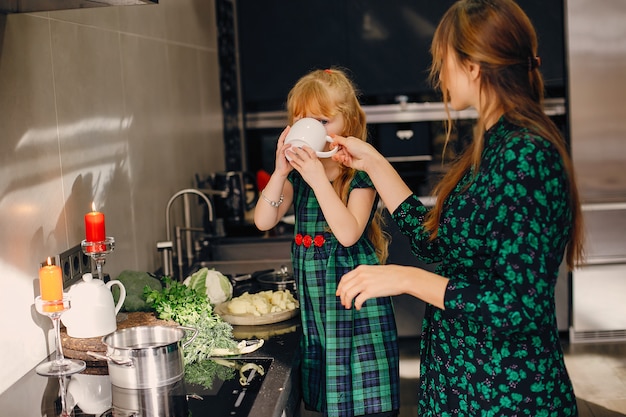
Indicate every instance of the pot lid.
{"type": "Point", "coordinates": [282, 276]}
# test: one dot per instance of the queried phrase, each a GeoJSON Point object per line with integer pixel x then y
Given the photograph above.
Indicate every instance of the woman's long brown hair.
{"type": "Point", "coordinates": [497, 35]}
{"type": "Point", "coordinates": [329, 92]}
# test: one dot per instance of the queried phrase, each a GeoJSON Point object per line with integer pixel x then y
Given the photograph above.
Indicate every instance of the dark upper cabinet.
{"type": "Point", "coordinates": [279, 41]}
{"type": "Point", "coordinates": [384, 44]}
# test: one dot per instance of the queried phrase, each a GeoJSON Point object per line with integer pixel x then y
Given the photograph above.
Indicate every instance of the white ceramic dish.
{"type": "Point", "coordinates": [252, 320]}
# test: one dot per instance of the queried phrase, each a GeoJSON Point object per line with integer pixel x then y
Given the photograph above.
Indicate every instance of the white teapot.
{"type": "Point", "coordinates": [92, 393]}
{"type": "Point", "coordinates": [93, 311]}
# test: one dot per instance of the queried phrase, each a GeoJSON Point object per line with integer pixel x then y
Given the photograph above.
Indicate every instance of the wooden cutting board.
{"type": "Point", "coordinates": [76, 348]}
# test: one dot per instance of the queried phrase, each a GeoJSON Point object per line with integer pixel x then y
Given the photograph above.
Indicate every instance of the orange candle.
{"type": "Point", "coordinates": [94, 225]}
{"type": "Point", "coordinates": [51, 282]}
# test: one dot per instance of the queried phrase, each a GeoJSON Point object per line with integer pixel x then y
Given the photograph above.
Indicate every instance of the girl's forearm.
{"type": "Point", "coordinates": [347, 225]}
{"type": "Point", "coordinates": [273, 203]}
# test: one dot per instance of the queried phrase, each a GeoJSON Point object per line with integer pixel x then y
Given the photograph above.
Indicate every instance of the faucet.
{"type": "Point", "coordinates": [167, 246]}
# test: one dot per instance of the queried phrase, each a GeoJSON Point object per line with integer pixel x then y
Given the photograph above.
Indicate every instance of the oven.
{"type": "Point", "coordinates": [599, 286]}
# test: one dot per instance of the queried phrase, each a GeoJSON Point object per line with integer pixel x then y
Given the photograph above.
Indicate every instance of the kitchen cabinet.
{"type": "Point", "coordinates": [384, 46]}
{"type": "Point", "coordinates": [409, 134]}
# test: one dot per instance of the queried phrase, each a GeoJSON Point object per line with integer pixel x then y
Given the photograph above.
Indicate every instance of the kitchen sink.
{"type": "Point", "coordinates": [238, 268]}
{"type": "Point", "coordinates": [245, 255]}
{"type": "Point", "coordinates": [250, 248]}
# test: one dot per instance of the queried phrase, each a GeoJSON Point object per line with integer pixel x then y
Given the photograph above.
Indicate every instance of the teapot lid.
{"type": "Point", "coordinates": [89, 279]}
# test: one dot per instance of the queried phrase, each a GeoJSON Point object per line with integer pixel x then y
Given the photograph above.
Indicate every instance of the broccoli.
{"type": "Point", "coordinates": [135, 282]}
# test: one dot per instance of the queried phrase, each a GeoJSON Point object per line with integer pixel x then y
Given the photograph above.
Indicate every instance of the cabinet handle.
{"type": "Point", "coordinates": [414, 158]}
{"type": "Point", "coordinates": [404, 134]}
{"type": "Point", "coordinates": [599, 260]}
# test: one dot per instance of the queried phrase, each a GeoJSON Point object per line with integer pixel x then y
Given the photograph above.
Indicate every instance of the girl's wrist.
{"type": "Point", "coordinates": [280, 175]}
{"type": "Point", "coordinates": [273, 203]}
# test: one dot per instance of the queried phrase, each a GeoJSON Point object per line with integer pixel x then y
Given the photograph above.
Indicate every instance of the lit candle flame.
{"type": "Point", "coordinates": [49, 261]}
{"type": "Point", "coordinates": [93, 206]}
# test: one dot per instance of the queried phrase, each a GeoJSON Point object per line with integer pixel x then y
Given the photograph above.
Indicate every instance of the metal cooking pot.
{"type": "Point", "coordinates": [166, 401]}
{"type": "Point", "coordinates": [277, 280]}
{"type": "Point", "coordinates": [145, 356]}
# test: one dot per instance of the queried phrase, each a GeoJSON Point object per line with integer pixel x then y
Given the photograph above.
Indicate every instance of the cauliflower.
{"type": "Point", "coordinates": [214, 284]}
{"type": "Point", "coordinates": [261, 303]}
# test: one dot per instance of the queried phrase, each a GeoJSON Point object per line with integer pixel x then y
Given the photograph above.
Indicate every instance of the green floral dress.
{"type": "Point", "coordinates": [495, 350]}
{"type": "Point", "coordinates": [350, 364]}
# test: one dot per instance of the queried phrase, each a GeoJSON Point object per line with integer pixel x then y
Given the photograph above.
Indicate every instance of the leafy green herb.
{"type": "Point", "coordinates": [187, 307]}
{"type": "Point", "coordinates": [203, 372]}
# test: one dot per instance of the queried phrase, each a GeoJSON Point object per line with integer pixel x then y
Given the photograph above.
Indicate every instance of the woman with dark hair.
{"type": "Point", "coordinates": [507, 213]}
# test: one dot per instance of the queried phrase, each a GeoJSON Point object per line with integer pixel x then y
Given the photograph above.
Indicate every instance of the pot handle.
{"type": "Point", "coordinates": [123, 362]}
{"type": "Point", "coordinates": [193, 336]}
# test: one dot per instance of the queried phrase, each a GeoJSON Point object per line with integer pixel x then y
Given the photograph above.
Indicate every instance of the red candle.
{"type": "Point", "coordinates": [51, 286]}
{"type": "Point", "coordinates": [94, 226]}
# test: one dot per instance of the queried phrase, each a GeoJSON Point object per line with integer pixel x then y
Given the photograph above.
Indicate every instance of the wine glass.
{"type": "Point", "coordinates": [60, 365]}
{"type": "Point", "coordinates": [98, 252]}
{"type": "Point", "coordinates": [66, 407]}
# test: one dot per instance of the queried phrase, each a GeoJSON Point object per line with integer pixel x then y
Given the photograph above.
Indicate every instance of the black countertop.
{"type": "Point", "coordinates": [279, 391]}
{"type": "Point", "coordinates": [281, 388]}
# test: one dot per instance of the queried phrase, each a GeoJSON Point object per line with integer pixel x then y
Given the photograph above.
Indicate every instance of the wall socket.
{"type": "Point", "coordinates": [74, 263]}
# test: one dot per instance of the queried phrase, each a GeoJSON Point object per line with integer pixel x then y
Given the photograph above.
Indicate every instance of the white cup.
{"type": "Point", "coordinates": [312, 133]}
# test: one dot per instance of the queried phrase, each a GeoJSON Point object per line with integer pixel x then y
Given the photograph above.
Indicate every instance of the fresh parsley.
{"type": "Point", "coordinates": [187, 307]}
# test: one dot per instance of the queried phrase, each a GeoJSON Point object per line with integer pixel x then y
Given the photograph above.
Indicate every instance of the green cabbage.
{"type": "Point", "coordinates": [214, 284]}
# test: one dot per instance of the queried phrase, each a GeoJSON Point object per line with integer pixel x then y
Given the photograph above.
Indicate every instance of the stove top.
{"type": "Point", "coordinates": [221, 387]}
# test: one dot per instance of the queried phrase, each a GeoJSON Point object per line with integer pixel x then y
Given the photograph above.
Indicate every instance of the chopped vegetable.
{"type": "Point", "coordinates": [264, 302]}
{"type": "Point", "coordinates": [214, 284]}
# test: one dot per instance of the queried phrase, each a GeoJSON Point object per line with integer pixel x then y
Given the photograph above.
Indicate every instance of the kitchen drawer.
{"type": "Point", "coordinates": [598, 307]}
{"type": "Point", "coordinates": [605, 232]}
{"type": "Point", "coordinates": [402, 139]}
{"type": "Point", "coordinates": [598, 286]}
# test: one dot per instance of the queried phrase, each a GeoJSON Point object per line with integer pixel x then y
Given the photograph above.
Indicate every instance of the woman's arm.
{"type": "Point", "coordinates": [372, 281]}
{"type": "Point", "coordinates": [360, 155]}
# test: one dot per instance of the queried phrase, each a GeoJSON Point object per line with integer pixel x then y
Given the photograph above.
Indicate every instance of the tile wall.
{"type": "Point", "coordinates": [115, 105]}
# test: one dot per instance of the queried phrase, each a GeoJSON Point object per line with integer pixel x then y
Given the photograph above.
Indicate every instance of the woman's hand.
{"type": "Point", "coordinates": [368, 281]}
{"type": "Point", "coordinates": [353, 152]}
{"type": "Point", "coordinates": [358, 154]}
{"type": "Point", "coordinates": [372, 281]}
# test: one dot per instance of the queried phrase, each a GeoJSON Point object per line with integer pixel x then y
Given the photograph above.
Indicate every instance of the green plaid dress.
{"type": "Point", "coordinates": [349, 358]}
